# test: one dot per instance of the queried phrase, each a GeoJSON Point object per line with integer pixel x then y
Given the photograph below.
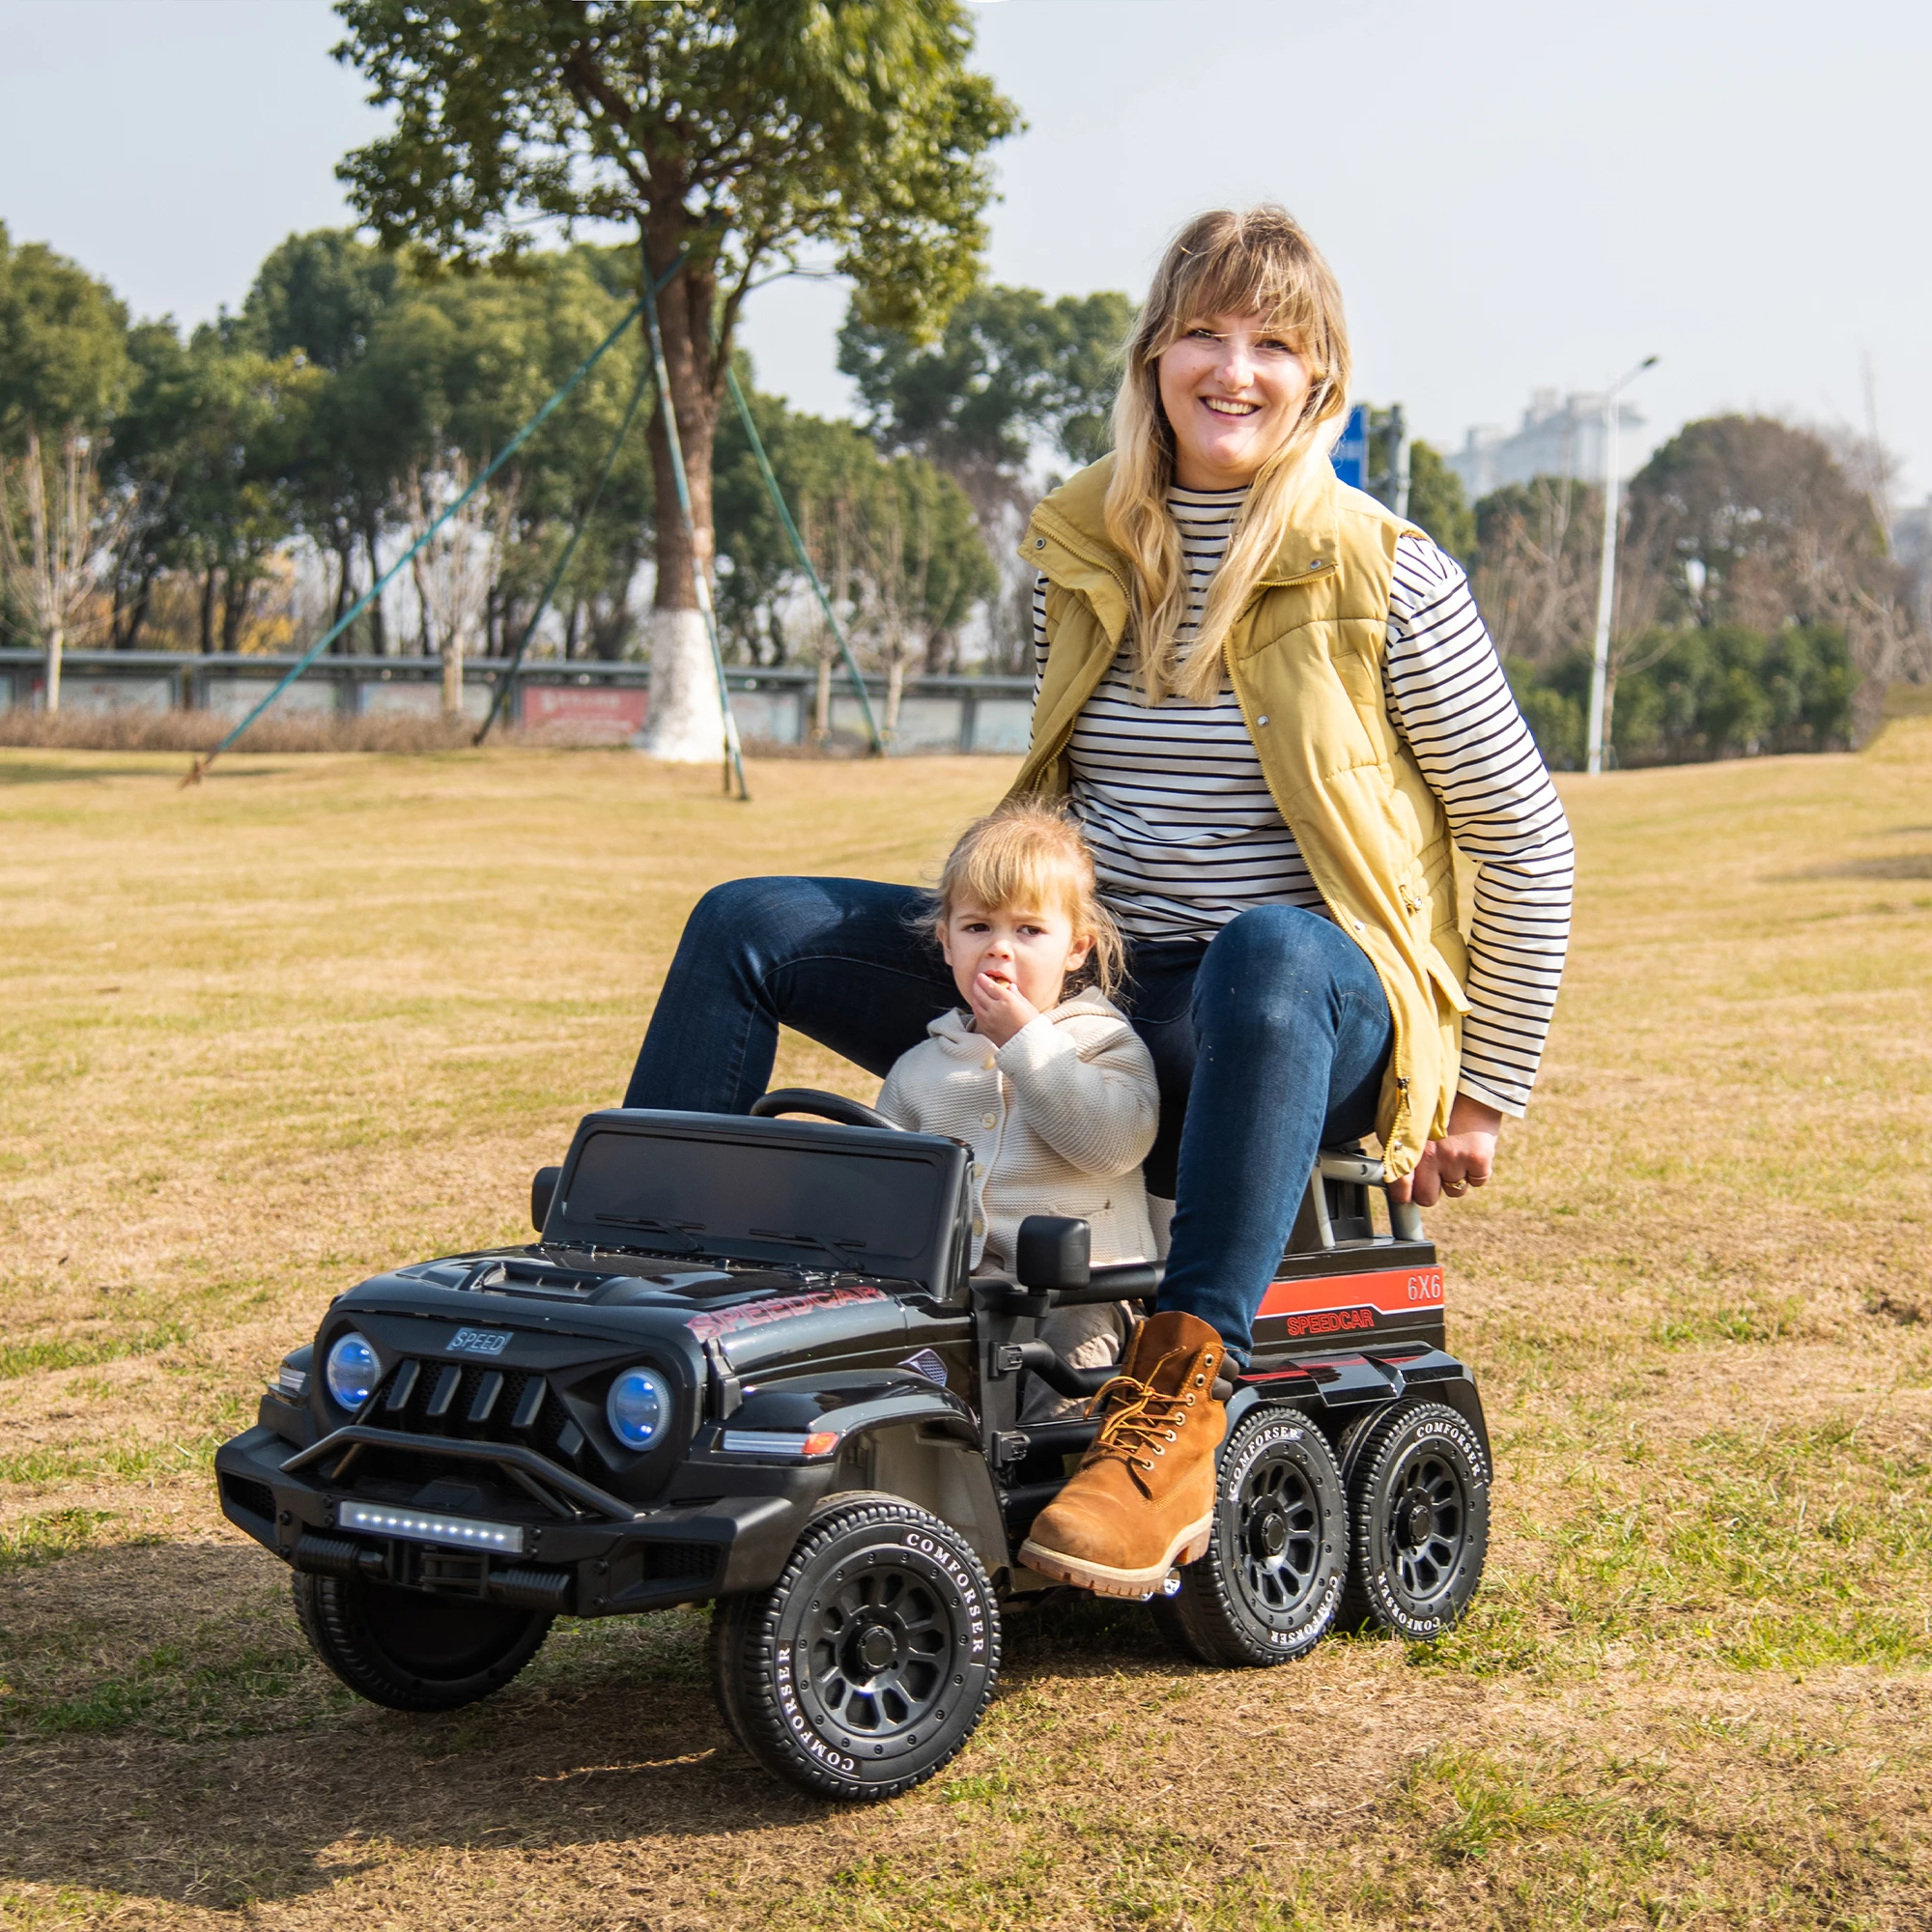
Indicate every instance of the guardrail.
{"type": "Point", "coordinates": [582, 703]}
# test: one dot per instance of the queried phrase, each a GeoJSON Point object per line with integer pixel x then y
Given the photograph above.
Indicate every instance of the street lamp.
{"type": "Point", "coordinates": [1606, 588]}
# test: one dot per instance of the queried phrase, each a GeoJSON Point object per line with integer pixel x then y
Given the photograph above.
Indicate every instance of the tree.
{"type": "Point", "coordinates": [1749, 521]}
{"type": "Point", "coordinates": [63, 346]}
{"type": "Point", "coordinates": [52, 572]}
{"type": "Point", "coordinates": [456, 563]}
{"type": "Point", "coordinates": [894, 541]}
{"type": "Point", "coordinates": [322, 295]}
{"type": "Point", "coordinates": [1012, 373]}
{"type": "Point", "coordinates": [1435, 502]}
{"type": "Point", "coordinates": [733, 135]}
{"type": "Point", "coordinates": [1537, 554]}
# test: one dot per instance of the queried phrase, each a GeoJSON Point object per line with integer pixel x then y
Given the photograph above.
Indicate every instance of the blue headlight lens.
{"type": "Point", "coordinates": [638, 1405]}
{"type": "Point", "coordinates": [351, 1370]}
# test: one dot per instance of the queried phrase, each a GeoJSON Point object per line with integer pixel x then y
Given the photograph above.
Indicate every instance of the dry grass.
{"type": "Point", "coordinates": [320, 1014]}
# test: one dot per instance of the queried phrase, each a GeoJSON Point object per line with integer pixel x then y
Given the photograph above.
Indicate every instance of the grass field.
{"type": "Point", "coordinates": [326, 1013]}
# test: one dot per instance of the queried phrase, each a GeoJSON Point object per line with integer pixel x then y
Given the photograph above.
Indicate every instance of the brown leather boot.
{"type": "Point", "coordinates": [1142, 1497]}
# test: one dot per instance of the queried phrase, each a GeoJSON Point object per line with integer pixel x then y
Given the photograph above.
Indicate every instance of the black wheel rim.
{"type": "Point", "coordinates": [1278, 1536]}
{"type": "Point", "coordinates": [877, 1646]}
{"type": "Point", "coordinates": [1429, 1520]}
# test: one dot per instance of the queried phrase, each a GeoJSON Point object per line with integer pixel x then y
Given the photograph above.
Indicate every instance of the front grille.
{"type": "Point", "coordinates": [251, 1496]}
{"type": "Point", "coordinates": [472, 1401]}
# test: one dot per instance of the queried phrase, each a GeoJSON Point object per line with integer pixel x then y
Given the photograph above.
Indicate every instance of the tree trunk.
{"type": "Point", "coordinates": [345, 578]}
{"type": "Point", "coordinates": [894, 690]}
{"type": "Point", "coordinates": [237, 592]}
{"type": "Point", "coordinates": [56, 640]}
{"type": "Point", "coordinates": [822, 702]}
{"type": "Point", "coordinates": [208, 613]}
{"type": "Point", "coordinates": [378, 642]}
{"type": "Point", "coordinates": [686, 725]}
{"type": "Point", "coordinates": [452, 672]}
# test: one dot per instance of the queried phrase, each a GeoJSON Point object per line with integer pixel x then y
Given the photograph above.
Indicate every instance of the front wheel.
{"type": "Point", "coordinates": [1419, 1520]}
{"type": "Point", "coordinates": [868, 1663]}
{"type": "Point", "coordinates": [1268, 1586]}
{"type": "Point", "coordinates": [414, 1650]}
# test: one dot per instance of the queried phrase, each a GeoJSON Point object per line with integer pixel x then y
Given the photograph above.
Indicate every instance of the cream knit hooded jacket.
{"type": "Point", "coordinates": [1058, 1121]}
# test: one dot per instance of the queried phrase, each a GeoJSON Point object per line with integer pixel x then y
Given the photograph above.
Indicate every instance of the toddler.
{"type": "Point", "coordinates": [1041, 1074]}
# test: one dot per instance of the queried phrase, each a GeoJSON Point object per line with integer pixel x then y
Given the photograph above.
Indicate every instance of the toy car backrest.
{"type": "Point", "coordinates": [1335, 1207]}
{"type": "Point", "coordinates": [798, 1192]}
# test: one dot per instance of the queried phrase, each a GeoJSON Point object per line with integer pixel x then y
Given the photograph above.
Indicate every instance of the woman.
{"type": "Point", "coordinates": [1272, 706]}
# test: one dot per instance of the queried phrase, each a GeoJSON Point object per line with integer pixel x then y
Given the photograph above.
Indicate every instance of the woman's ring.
{"type": "Point", "coordinates": [1455, 1188]}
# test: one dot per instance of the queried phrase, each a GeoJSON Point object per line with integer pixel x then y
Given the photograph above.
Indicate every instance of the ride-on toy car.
{"type": "Point", "coordinates": [744, 1364]}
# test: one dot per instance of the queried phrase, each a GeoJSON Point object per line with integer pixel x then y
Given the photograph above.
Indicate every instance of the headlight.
{"type": "Point", "coordinates": [351, 1370]}
{"type": "Point", "coordinates": [638, 1405]}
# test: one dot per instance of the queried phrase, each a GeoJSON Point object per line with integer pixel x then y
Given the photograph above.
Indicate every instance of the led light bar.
{"type": "Point", "coordinates": [778, 1442]}
{"type": "Point", "coordinates": [457, 1531]}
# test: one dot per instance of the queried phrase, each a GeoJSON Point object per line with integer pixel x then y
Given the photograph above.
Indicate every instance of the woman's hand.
{"type": "Point", "coordinates": [999, 1008]}
{"type": "Point", "coordinates": [1459, 1161]}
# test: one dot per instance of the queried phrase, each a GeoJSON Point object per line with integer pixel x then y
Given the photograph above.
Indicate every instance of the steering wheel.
{"type": "Point", "coordinates": [826, 1106]}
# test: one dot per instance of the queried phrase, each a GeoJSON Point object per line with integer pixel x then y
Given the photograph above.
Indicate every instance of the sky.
{"type": "Point", "coordinates": [1515, 195]}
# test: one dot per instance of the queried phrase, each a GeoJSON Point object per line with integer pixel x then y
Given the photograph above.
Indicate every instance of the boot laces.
{"type": "Point", "coordinates": [1137, 1420]}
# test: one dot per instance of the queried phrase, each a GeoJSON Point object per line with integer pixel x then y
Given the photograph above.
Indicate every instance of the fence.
{"type": "Point", "coordinates": [578, 703]}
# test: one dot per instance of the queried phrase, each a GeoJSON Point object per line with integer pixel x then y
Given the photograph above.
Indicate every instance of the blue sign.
{"type": "Point", "coordinates": [1351, 454]}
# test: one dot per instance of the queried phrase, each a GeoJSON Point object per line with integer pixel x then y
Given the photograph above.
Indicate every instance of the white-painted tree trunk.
{"type": "Point", "coordinates": [686, 725]}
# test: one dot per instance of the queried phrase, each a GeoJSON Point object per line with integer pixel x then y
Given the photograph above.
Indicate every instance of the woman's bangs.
{"type": "Point", "coordinates": [1237, 279]}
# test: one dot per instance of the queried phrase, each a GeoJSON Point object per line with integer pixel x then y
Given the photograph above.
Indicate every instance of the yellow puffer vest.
{"type": "Point", "coordinates": [1305, 660]}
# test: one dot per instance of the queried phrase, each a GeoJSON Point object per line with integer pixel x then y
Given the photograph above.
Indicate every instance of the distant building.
{"type": "Point", "coordinates": [1912, 536]}
{"type": "Point", "coordinates": [1557, 438]}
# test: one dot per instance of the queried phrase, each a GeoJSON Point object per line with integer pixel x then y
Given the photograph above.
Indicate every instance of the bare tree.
{"type": "Point", "coordinates": [1538, 550]}
{"type": "Point", "coordinates": [54, 572]}
{"type": "Point", "coordinates": [456, 567]}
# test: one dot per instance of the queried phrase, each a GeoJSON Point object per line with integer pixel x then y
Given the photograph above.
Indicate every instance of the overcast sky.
{"type": "Point", "coordinates": [1516, 193]}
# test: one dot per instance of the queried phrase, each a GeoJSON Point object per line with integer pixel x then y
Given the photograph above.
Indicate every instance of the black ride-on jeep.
{"type": "Point", "coordinates": [744, 1364]}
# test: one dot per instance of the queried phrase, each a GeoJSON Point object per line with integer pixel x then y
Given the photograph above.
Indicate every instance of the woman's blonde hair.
{"type": "Point", "coordinates": [1253, 261]}
{"type": "Point", "coordinates": [1032, 855]}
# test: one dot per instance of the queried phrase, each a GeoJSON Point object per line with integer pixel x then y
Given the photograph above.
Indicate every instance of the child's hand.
{"type": "Point", "coordinates": [999, 1008]}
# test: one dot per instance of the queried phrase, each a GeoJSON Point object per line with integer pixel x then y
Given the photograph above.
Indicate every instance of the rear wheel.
{"type": "Point", "coordinates": [1268, 1586]}
{"type": "Point", "coordinates": [1420, 1522]}
{"type": "Point", "coordinates": [868, 1664]}
{"type": "Point", "coordinates": [414, 1650]}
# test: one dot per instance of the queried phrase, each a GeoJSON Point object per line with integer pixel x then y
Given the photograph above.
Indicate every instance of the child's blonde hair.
{"type": "Point", "coordinates": [1031, 853]}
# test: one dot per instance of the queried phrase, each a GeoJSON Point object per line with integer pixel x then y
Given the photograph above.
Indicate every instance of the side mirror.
{"type": "Point", "coordinates": [543, 1191]}
{"type": "Point", "coordinates": [1054, 1251]}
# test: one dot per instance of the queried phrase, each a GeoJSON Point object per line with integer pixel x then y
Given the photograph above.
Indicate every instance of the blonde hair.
{"type": "Point", "coordinates": [1033, 855]}
{"type": "Point", "coordinates": [1253, 261]}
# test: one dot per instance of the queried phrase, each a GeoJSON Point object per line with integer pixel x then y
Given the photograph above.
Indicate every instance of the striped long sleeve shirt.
{"type": "Point", "coordinates": [1186, 833]}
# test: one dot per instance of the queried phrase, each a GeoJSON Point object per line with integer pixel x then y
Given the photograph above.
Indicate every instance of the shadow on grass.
{"type": "Point", "coordinates": [168, 1734]}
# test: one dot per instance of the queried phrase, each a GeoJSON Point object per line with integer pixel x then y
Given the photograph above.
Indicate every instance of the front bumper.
{"type": "Point", "coordinates": [602, 1559]}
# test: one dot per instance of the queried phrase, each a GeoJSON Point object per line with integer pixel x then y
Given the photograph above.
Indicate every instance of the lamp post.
{"type": "Point", "coordinates": [1606, 587]}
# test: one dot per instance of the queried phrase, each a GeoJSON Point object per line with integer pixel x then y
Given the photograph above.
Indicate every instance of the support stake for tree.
{"type": "Point", "coordinates": [376, 590]}
{"type": "Point", "coordinates": [734, 758]}
{"type": "Point", "coordinates": [799, 550]}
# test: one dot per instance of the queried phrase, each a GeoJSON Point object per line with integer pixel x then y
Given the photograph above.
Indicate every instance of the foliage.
{"type": "Point", "coordinates": [735, 136]}
{"type": "Point", "coordinates": [1725, 692]}
{"type": "Point", "coordinates": [894, 540]}
{"type": "Point", "coordinates": [1010, 372]}
{"type": "Point", "coordinates": [63, 346]}
{"type": "Point", "coordinates": [1435, 502]}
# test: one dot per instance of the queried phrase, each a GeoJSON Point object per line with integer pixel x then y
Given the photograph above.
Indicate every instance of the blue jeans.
{"type": "Point", "coordinates": [1267, 1041]}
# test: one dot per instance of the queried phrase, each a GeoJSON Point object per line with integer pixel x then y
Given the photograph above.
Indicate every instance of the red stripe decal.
{"type": "Point", "coordinates": [1387, 1290]}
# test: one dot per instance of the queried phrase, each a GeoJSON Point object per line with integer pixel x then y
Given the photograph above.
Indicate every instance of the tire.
{"type": "Point", "coordinates": [869, 1663]}
{"type": "Point", "coordinates": [1270, 1587]}
{"type": "Point", "coordinates": [1420, 1522]}
{"type": "Point", "coordinates": [413, 1649]}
